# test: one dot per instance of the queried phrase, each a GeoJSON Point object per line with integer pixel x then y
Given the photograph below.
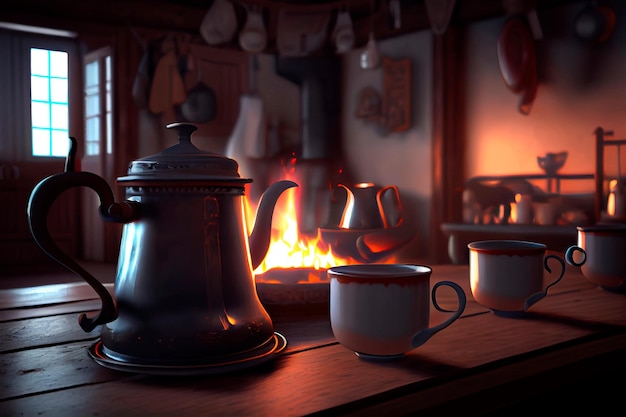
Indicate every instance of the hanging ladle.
{"type": "Point", "coordinates": [370, 57]}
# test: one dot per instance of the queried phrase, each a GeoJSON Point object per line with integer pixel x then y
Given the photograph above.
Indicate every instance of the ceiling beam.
{"type": "Point", "coordinates": [186, 15]}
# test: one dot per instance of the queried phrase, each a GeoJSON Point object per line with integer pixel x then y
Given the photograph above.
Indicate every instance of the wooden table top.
{"type": "Point", "coordinates": [577, 331]}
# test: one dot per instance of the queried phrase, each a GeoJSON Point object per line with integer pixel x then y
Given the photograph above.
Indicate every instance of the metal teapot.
{"type": "Point", "coordinates": [372, 224]}
{"type": "Point", "coordinates": [364, 207]}
{"type": "Point", "coordinates": [184, 290]}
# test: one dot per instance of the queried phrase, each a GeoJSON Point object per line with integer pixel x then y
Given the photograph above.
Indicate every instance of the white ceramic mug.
{"type": "Point", "coordinates": [383, 310]}
{"type": "Point", "coordinates": [524, 208]}
{"type": "Point", "coordinates": [603, 260]}
{"type": "Point", "coordinates": [507, 276]}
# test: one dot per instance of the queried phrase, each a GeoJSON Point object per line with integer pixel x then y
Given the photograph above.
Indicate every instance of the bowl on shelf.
{"type": "Point", "coordinates": [552, 162]}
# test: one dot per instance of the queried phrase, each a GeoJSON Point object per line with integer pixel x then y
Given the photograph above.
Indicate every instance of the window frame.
{"type": "Point", "coordinates": [15, 78]}
{"type": "Point", "coordinates": [52, 133]}
{"type": "Point", "coordinates": [105, 113]}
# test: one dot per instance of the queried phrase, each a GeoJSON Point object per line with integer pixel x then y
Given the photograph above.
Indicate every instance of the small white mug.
{"type": "Point", "coordinates": [524, 209]}
{"type": "Point", "coordinates": [382, 311]}
{"type": "Point", "coordinates": [603, 250]}
{"type": "Point", "coordinates": [507, 276]}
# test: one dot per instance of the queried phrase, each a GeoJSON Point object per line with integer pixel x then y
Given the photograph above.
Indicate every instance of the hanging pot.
{"type": "Point", "coordinates": [516, 54]}
{"type": "Point", "coordinates": [220, 23]}
{"type": "Point", "coordinates": [200, 105]}
{"type": "Point", "coordinates": [518, 62]}
{"type": "Point", "coordinates": [595, 23]}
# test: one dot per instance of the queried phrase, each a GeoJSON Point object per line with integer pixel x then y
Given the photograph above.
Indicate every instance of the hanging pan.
{"type": "Point", "coordinates": [518, 62]}
{"type": "Point", "coordinates": [199, 107]}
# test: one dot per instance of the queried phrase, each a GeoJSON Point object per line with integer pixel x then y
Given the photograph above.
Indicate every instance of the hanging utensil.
{"type": "Point", "coordinates": [595, 23]}
{"type": "Point", "coordinates": [395, 14]}
{"type": "Point", "coordinates": [253, 36]}
{"type": "Point", "coordinates": [343, 34]}
{"type": "Point", "coordinates": [370, 57]}
{"type": "Point", "coordinates": [439, 14]}
{"type": "Point", "coordinates": [528, 9]}
{"type": "Point", "coordinates": [220, 23]}
{"type": "Point", "coordinates": [167, 89]}
{"type": "Point", "coordinates": [517, 59]}
{"type": "Point", "coordinates": [199, 107]}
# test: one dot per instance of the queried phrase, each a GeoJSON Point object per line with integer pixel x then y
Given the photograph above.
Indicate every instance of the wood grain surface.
{"type": "Point", "coordinates": [45, 368]}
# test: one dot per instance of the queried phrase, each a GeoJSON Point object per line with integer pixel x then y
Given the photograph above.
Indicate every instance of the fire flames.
{"type": "Point", "coordinates": [288, 248]}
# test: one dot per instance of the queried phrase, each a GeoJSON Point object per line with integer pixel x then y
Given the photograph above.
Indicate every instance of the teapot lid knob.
{"type": "Point", "coordinates": [184, 130]}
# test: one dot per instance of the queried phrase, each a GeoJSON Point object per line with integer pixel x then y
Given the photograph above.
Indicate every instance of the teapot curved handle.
{"type": "Point", "coordinates": [381, 208]}
{"type": "Point", "coordinates": [41, 199]}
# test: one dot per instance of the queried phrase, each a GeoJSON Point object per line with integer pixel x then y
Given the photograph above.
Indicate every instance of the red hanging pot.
{"type": "Point", "coordinates": [518, 61]}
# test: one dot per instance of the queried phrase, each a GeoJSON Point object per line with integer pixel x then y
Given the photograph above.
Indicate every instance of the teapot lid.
{"type": "Point", "coordinates": [185, 162]}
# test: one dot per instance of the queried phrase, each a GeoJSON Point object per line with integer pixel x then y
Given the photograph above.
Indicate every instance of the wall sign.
{"type": "Point", "coordinates": [392, 110]}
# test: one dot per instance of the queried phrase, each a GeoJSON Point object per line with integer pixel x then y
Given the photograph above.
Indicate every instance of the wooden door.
{"type": "Point", "coordinates": [20, 171]}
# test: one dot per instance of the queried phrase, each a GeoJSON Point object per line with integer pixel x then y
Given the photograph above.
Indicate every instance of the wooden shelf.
{"type": "Point", "coordinates": [556, 238]}
{"type": "Point", "coordinates": [549, 179]}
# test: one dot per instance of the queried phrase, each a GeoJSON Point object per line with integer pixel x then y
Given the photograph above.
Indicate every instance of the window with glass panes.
{"type": "Point", "coordinates": [49, 102]}
{"type": "Point", "coordinates": [98, 117]}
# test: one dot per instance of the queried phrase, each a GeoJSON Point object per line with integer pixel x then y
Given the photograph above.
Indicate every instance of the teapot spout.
{"type": "Point", "coordinates": [261, 233]}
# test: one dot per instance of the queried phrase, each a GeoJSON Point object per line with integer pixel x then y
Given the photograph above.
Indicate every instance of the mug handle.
{"type": "Point", "coordinates": [569, 256]}
{"type": "Point", "coordinates": [423, 335]}
{"type": "Point", "coordinates": [541, 294]}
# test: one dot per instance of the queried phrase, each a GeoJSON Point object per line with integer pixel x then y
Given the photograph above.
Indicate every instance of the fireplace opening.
{"type": "Point", "coordinates": [307, 237]}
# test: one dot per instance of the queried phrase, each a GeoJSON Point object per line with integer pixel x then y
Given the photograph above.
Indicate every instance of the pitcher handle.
{"type": "Point", "coordinates": [381, 209]}
{"type": "Point", "coordinates": [344, 222]}
{"type": "Point", "coordinates": [41, 199]}
{"type": "Point", "coordinates": [423, 335]}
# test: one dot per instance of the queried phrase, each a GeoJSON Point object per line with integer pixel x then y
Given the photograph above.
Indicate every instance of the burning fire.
{"type": "Point", "coordinates": [288, 249]}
